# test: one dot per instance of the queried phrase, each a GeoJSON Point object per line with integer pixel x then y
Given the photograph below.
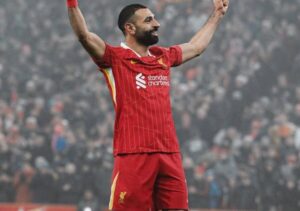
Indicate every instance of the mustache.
{"type": "Point", "coordinates": [154, 30]}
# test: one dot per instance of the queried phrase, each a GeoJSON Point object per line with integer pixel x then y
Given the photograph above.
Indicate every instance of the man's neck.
{"type": "Point", "coordinates": [138, 48]}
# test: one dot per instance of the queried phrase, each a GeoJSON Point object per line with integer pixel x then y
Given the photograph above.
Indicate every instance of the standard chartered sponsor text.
{"type": "Point", "coordinates": [158, 80]}
{"type": "Point", "coordinates": [157, 77]}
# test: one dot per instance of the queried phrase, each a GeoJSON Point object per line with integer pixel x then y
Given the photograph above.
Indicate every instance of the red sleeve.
{"type": "Point", "coordinates": [106, 60]}
{"type": "Point", "coordinates": [175, 55]}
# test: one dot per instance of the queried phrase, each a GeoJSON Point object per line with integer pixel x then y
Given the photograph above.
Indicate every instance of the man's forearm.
{"type": "Point", "coordinates": [77, 20]}
{"type": "Point", "coordinates": [92, 43]}
{"type": "Point", "coordinates": [203, 37]}
{"type": "Point", "coordinates": [78, 23]}
{"type": "Point", "coordinates": [200, 41]}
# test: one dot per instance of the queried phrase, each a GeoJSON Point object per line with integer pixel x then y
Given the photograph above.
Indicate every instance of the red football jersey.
{"type": "Point", "coordinates": [140, 89]}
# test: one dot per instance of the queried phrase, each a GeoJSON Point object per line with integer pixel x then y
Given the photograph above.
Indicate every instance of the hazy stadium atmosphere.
{"type": "Point", "coordinates": [236, 108]}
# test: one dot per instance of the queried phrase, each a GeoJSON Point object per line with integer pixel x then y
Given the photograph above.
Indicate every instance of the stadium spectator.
{"type": "Point", "coordinates": [7, 191]}
{"type": "Point", "coordinates": [22, 181]}
{"type": "Point", "coordinates": [69, 185]}
{"type": "Point", "coordinates": [43, 182]}
{"type": "Point", "coordinates": [88, 202]}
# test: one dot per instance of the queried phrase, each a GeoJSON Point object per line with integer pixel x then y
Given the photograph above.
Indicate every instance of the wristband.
{"type": "Point", "coordinates": [72, 3]}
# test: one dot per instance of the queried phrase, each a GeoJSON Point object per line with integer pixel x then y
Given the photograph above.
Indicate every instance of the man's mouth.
{"type": "Point", "coordinates": [155, 33]}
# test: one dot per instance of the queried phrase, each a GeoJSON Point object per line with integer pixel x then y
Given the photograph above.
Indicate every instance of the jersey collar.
{"type": "Point", "coordinates": [123, 45]}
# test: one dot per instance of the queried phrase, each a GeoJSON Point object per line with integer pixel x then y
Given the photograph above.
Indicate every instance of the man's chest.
{"type": "Point", "coordinates": [136, 76]}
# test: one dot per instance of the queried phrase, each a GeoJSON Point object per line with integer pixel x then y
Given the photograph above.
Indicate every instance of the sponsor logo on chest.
{"type": "Point", "coordinates": [142, 81]}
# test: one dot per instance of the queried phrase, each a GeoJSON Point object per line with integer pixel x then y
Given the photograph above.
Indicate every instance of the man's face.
{"type": "Point", "coordinates": [146, 27]}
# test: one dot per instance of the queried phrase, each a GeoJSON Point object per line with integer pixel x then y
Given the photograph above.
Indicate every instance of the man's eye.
{"type": "Point", "coordinates": [148, 20]}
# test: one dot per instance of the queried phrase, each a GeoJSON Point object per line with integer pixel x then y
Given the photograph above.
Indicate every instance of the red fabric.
{"type": "Point", "coordinates": [72, 3]}
{"type": "Point", "coordinates": [144, 120]}
{"type": "Point", "coordinates": [149, 181]}
{"type": "Point", "coordinates": [26, 207]}
{"type": "Point", "coordinates": [22, 186]}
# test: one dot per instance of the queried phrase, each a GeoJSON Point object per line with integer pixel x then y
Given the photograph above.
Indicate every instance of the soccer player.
{"type": "Point", "coordinates": [148, 173]}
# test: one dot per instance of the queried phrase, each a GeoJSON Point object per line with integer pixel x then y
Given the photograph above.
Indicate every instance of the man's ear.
{"type": "Point", "coordinates": [130, 28]}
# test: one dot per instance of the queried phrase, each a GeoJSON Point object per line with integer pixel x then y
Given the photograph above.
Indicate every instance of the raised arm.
{"type": "Point", "coordinates": [202, 38]}
{"type": "Point", "coordinates": [93, 44]}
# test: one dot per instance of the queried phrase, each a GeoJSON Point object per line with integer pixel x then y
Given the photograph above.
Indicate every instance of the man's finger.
{"type": "Point", "coordinates": [225, 3]}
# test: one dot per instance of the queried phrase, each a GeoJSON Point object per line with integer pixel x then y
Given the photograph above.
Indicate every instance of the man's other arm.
{"type": "Point", "coordinates": [202, 38]}
{"type": "Point", "coordinates": [93, 44]}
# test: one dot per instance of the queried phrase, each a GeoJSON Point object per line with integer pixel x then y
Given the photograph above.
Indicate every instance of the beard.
{"type": "Point", "coordinates": [146, 38]}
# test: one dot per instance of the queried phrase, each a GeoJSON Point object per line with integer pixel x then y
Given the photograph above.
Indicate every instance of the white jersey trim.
{"type": "Point", "coordinates": [123, 45]}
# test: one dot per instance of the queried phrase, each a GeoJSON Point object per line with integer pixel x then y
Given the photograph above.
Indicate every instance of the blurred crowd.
{"type": "Point", "coordinates": [236, 108]}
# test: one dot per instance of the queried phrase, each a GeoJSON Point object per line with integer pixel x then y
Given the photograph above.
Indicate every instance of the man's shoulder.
{"type": "Point", "coordinates": [158, 50]}
{"type": "Point", "coordinates": [120, 51]}
{"type": "Point", "coordinates": [114, 48]}
{"type": "Point", "coordinates": [164, 51]}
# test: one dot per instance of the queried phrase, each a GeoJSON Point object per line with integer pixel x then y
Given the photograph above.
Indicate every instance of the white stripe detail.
{"type": "Point", "coordinates": [123, 45]}
{"type": "Point", "coordinates": [113, 84]}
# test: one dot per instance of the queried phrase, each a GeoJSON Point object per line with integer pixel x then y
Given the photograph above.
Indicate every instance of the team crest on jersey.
{"type": "Point", "coordinates": [133, 61]}
{"type": "Point", "coordinates": [122, 197]}
{"type": "Point", "coordinates": [161, 62]}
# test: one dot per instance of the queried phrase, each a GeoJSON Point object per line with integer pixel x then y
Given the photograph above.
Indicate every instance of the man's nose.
{"type": "Point", "coordinates": [156, 24]}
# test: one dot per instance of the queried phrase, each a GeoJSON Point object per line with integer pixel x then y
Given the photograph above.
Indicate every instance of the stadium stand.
{"type": "Point", "coordinates": [236, 108]}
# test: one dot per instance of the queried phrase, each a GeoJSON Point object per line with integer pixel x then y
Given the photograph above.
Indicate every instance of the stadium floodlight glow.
{"type": "Point", "coordinates": [87, 209]}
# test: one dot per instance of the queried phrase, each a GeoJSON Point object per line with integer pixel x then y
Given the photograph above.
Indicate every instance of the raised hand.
{"type": "Point", "coordinates": [221, 6]}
